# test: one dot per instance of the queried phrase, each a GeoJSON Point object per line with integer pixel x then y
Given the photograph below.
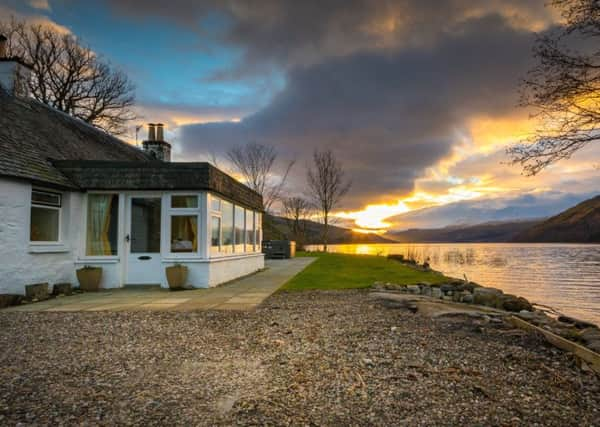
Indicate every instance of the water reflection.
{"type": "Point", "coordinates": [564, 276]}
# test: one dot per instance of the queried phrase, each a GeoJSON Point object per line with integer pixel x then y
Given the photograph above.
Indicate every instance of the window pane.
{"type": "Point", "coordinates": [257, 232]}
{"type": "Point", "coordinates": [184, 233]}
{"type": "Point", "coordinates": [249, 231]}
{"type": "Point", "coordinates": [227, 226]}
{"type": "Point", "coordinates": [215, 203]}
{"type": "Point", "coordinates": [102, 224]}
{"type": "Point", "coordinates": [145, 225]}
{"type": "Point", "coordinates": [44, 224]}
{"type": "Point", "coordinates": [45, 198]}
{"type": "Point", "coordinates": [184, 201]}
{"type": "Point", "coordinates": [239, 229]}
{"type": "Point", "coordinates": [215, 232]}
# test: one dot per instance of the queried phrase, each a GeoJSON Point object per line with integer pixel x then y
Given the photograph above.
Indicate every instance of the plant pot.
{"type": "Point", "coordinates": [89, 278]}
{"type": "Point", "coordinates": [177, 276]}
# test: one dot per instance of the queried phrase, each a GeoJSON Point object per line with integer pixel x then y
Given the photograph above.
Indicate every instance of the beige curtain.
{"type": "Point", "coordinates": [192, 202]}
{"type": "Point", "coordinates": [98, 225]}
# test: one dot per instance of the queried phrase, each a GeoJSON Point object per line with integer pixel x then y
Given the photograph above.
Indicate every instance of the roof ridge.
{"type": "Point", "coordinates": [78, 122]}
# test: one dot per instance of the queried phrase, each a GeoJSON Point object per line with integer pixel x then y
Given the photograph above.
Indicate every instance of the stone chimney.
{"type": "Point", "coordinates": [14, 73]}
{"type": "Point", "coordinates": [155, 145]}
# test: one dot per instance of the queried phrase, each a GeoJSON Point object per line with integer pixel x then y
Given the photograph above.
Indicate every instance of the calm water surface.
{"type": "Point", "coordinates": [563, 276]}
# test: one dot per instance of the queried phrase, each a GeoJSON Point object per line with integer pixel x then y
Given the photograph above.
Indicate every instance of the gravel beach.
{"type": "Point", "coordinates": [319, 357]}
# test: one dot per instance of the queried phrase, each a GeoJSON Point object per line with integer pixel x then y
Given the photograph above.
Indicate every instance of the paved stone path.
{"type": "Point", "coordinates": [242, 294]}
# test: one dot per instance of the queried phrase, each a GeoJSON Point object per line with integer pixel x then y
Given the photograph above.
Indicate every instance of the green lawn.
{"type": "Point", "coordinates": [340, 271]}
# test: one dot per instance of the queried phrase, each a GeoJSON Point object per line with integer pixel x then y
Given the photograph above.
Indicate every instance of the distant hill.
{"type": "Point", "coordinates": [276, 228]}
{"type": "Point", "coordinates": [579, 224]}
{"type": "Point", "coordinates": [487, 232]}
{"type": "Point", "coordinates": [487, 210]}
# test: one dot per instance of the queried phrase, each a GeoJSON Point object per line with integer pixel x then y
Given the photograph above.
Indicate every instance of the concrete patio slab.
{"type": "Point", "coordinates": [242, 294]}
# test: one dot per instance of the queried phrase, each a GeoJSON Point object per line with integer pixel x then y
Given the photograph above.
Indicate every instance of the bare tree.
{"type": "Point", "coordinates": [70, 77]}
{"type": "Point", "coordinates": [327, 186]}
{"type": "Point", "coordinates": [256, 163]}
{"type": "Point", "coordinates": [296, 210]}
{"type": "Point", "coordinates": [563, 88]}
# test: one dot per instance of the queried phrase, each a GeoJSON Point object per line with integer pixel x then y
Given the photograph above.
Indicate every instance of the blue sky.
{"type": "Point", "coordinates": [170, 64]}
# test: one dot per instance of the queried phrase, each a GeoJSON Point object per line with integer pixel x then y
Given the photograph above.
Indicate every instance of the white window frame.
{"type": "Point", "coordinates": [170, 212]}
{"type": "Point", "coordinates": [32, 204]}
{"type": "Point", "coordinates": [215, 250]}
{"type": "Point", "coordinates": [120, 226]}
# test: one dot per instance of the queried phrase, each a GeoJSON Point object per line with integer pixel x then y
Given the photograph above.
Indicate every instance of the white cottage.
{"type": "Point", "coordinates": [71, 195]}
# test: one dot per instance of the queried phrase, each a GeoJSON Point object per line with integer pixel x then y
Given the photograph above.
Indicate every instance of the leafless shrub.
{"type": "Point", "coordinates": [326, 186]}
{"type": "Point", "coordinates": [255, 162]}
{"type": "Point", "coordinates": [296, 210]}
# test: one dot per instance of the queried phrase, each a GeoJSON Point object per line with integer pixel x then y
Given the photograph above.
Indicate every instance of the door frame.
{"type": "Point", "coordinates": [128, 196]}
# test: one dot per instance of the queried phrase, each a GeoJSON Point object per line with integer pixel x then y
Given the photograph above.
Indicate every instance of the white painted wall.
{"type": "Point", "coordinates": [213, 272]}
{"type": "Point", "coordinates": [22, 263]}
{"type": "Point", "coordinates": [223, 270]}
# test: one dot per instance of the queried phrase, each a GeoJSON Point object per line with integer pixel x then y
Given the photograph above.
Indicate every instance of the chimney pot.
{"type": "Point", "coordinates": [160, 136]}
{"type": "Point", "coordinates": [151, 132]}
{"type": "Point", "coordinates": [3, 41]}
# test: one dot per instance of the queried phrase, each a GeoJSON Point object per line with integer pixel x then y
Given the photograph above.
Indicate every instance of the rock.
{"type": "Point", "coordinates": [526, 315]}
{"type": "Point", "coordinates": [447, 288]}
{"type": "Point", "coordinates": [62, 289]}
{"type": "Point", "coordinates": [467, 286]}
{"type": "Point", "coordinates": [487, 296]}
{"type": "Point", "coordinates": [579, 324]}
{"type": "Point", "coordinates": [426, 290]}
{"type": "Point", "coordinates": [590, 334]}
{"type": "Point", "coordinates": [467, 298]}
{"type": "Point", "coordinates": [413, 289]}
{"type": "Point", "coordinates": [593, 345]}
{"type": "Point", "coordinates": [436, 292]}
{"type": "Point", "coordinates": [37, 291]}
{"type": "Point", "coordinates": [6, 300]}
{"type": "Point", "coordinates": [457, 296]}
{"type": "Point", "coordinates": [368, 362]}
{"type": "Point", "coordinates": [514, 303]}
{"type": "Point", "coordinates": [447, 298]}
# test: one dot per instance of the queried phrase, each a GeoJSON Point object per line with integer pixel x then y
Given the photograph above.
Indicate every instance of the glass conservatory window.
{"type": "Point", "coordinates": [184, 233]}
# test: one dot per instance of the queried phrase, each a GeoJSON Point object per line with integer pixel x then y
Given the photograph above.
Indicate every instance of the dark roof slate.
{"type": "Point", "coordinates": [48, 147]}
{"type": "Point", "coordinates": [32, 133]}
{"type": "Point", "coordinates": [159, 176]}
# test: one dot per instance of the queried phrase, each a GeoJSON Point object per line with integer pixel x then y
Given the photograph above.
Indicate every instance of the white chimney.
{"type": "Point", "coordinates": [15, 75]}
{"type": "Point", "coordinates": [155, 145]}
{"type": "Point", "coordinates": [151, 132]}
{"type": "Point", "coordinates": [160, 135]}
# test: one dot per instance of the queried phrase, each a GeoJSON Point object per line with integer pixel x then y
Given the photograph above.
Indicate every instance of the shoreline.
{"type": "Point", "coordinates": [471, 294]}
{"type": "Point", "coordinates": [566, 279]}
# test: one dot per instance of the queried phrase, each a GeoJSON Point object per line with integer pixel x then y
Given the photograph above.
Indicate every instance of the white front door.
{"type": "Point", "coordinates": [143, 240]}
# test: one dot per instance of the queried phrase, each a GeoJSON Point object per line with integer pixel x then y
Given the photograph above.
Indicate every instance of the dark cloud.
{"type": "Point", "coordinates": [388, 85]}
{"type": "Point", "coordinates": [291, 32]}
{"type": "Point", "coordinates": [387, 116]}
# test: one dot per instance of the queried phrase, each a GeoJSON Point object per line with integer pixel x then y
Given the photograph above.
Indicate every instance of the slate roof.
{"type": "Point", "coordinates": [31, 133]}
{"type": "Point", "coordinates": [157, 175]}
{"type": "Point", "coordinates": [48, 147]}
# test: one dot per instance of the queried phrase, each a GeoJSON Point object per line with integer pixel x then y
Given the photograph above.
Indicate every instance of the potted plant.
{"type": "Point", "coordinates": [89, 278]}
{"type": "Point", "coordinates": [177, 276]}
